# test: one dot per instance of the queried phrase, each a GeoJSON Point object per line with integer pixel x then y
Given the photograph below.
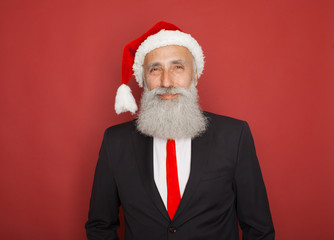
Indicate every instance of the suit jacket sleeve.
{"type": "Point", "coordinates": [251, 197]}
{"type": "Point", "coordinates": [103, 218]}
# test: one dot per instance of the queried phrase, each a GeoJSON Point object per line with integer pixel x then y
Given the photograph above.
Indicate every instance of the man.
{"type": "Point", "coordinates": [178, 172]}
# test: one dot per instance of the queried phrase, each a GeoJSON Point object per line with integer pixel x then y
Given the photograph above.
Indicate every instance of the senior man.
{"type": "Point", "coordinates": [178, 172]}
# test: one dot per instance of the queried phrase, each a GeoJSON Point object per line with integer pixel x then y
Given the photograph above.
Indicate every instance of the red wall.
{"type": "Point", "coordinates": [267, 62]}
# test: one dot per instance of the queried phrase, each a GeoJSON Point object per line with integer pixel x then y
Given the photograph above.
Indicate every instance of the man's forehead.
{"type": "Point", "coordinates": [171, 53]}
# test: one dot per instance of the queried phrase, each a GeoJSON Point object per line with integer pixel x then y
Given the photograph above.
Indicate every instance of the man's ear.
{"type": "Point", "coordinates": [196, 79]}
{"type": "Point", "coordinates": [144, 80]}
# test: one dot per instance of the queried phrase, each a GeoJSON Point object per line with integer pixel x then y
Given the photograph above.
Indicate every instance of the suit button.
{"type": "Point", "coordinates": [172, 229]}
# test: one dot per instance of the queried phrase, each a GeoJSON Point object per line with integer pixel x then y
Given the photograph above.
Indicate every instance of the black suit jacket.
{"type": "Point", "coordinates": [225, 186]}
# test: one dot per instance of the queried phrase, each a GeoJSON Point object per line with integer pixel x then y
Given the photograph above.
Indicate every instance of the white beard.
{"type": "Point", "coordinates": [179, 117]}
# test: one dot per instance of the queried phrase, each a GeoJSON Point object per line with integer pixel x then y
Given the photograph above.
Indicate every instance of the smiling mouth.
{"type": "Point", "coordinates": [168, 96]}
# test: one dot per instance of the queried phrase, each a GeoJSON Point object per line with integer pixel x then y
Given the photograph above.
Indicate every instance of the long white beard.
{"type": "Point", "coordinates": [180, 117]}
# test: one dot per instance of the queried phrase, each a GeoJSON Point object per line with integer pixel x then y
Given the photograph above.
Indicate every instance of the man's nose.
{"type": "Point", "coordinates": [166, 80]}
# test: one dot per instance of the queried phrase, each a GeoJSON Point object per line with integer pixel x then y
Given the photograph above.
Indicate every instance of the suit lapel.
{"type": "Point", "coordinates": [143, 146]}
{"type": "Point", "coordinates": [199, 158]}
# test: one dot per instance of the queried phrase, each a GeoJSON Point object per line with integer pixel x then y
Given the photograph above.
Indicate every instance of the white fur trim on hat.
{"type": "Point", "coordinates": [124, 100]}
{"type": "Point", "coordinates": [166, 38]}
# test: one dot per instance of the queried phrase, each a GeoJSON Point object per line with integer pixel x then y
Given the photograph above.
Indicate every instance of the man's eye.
{"type": "Point", "coordinates": [154, 69]}
{"type": "Point", "coordinates": [179, 67]}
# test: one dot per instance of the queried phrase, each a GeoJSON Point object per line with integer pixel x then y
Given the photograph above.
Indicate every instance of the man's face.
{"type": "Point", "coordinates": [169, 66]}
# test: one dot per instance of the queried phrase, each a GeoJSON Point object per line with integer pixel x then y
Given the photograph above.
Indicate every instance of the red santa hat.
{"type": "Point", "coordinates": [160, 35]}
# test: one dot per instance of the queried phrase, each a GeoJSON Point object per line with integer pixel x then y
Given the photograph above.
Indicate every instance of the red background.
{"type": "Point", "coordinates": [267, 62]}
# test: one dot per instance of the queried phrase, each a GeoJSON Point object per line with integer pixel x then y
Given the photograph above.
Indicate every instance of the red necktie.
{"type": "Point", "coordinates": [173, 189]}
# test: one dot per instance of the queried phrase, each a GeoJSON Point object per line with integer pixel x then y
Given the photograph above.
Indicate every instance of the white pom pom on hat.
{"type": "Point", "coordinates": [124, 100]}
{"type": "Point", "coordinates": [160, 35]}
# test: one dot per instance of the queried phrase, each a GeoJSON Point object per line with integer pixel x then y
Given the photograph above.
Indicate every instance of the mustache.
{"type": "Point", "coordinates": [170, 90]}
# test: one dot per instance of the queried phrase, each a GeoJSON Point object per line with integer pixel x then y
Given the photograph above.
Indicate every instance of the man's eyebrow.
{"type": "Point", "coordinates": [178, 61]}
{"type": "Point", "coordinates": [154, 64]}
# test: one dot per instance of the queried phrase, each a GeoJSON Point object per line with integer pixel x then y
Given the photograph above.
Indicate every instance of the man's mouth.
{"type": "Point", "coordinates": [168, 96]}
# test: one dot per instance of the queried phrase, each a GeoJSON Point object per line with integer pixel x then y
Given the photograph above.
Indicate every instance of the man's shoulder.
{"type": "Point", "coordinates": [122, 129]}
{"type": "Point", "coordinates": [223, 120]}
{"type": "Point", "coordinates": [224, 125]}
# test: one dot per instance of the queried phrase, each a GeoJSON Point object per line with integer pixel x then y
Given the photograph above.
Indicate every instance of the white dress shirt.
{"type": "Point", "coordinates": [183, 158]}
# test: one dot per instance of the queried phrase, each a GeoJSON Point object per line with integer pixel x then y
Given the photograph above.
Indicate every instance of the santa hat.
{"type": "Point", "coordinates": [160, 35]}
